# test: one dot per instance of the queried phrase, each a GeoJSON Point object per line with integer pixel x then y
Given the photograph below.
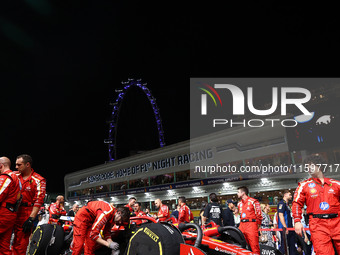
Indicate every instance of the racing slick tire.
{"type": "Point", "coordinates": [155, 239]}
{"type": "Point", "coordinates": [47, 239]}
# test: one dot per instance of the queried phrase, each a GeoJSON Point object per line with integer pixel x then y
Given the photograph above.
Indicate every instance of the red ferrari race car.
{"type": "Point", "coordinates": [155, 238]}
{"type": "Point", "coordinates": [52, 239]}
{"type": "Point", "coordinates": [149, 238]}
{"type": "Point", "coordinates": [223, 240]}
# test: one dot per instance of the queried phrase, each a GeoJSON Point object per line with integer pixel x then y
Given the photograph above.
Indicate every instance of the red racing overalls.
{"type": "Point", "coordinates": [323, 208]}
{"type": "Point", "coordinates": [88, 223]}
{"type": "Point", "coordinates": [33, 194]}
{"type": "Point", "coordinates": [184, 214]}
{"type": "Point", "coordinates": [140, 213]}
{"type": "Point", "coordinates": [130, 208]}
{"type": "Point", "coordinates": [10, 196]}
{"type": "Point", "coordinates": [251, 217]}
{"type": "Point", "coordinates": [164, 210]}
{"type": "Point", "coordinates": [55, 211]}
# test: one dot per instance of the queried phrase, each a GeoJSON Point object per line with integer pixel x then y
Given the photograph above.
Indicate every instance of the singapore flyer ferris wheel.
{"type": "Point", "coordinates": [111, 141]}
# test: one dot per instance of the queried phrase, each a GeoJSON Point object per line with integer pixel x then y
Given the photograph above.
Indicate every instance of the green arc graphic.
{"type": "Point", "coordinates": [208, 92]}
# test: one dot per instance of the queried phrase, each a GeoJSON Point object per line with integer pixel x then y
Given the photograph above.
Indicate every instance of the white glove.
{"type": "Point", "coordinates": [115, 252]}
{"type": "Point", "coordinates": [113, 246]}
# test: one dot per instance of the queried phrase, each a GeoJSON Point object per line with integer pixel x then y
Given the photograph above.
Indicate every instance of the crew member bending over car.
{"type": "Point", "coordinates": [90, 220]}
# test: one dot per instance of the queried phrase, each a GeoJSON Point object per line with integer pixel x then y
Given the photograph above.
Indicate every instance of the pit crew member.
{"type": "Point", "coordinates": [322, 197]}
{"type": "Point", "coordinates": [90, 220]}
{"type": "Point", "coordinates": [33, 194]}
{"type": "Point", "coordinates": [185, 214]}
{"type": "Point", "coordinates": [10, 198]}
{"type": "Point", "coordinates": [138, 212]}
{"type": "Point", "coordinates": [251, 218]}
{"type": "Point", "coordinates": [56, 210]}
{"type": "Point", "coordinates": [163, 211]}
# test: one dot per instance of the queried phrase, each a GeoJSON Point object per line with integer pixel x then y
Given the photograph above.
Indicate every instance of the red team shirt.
{"type": "Point", "coordinates": [9, 188]}
{"type": "Point", "coordinates": [130, 208]}
{"type": "Point", "coordinates": [9, 196]}
{"type": "Point", "coordinates": [33, 189]}
{"type": "Point", "coordinates": [56, 210]}
{"type": "Point", "coordinates": [102, 213]}
{"type": "Point", "coordinates": [140, 213]}
{"type": "Point", "coordinates": [250, 209]}
{"type": "Point", "coordinates": [184, 214]}
{"type": "Point", "coordinates": [164, 210]}
{"type": "Point", "coordinates": [320, 199]}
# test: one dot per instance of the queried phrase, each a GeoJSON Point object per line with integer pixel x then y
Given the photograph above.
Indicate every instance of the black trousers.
{"type": "Point", "coordinates": [291, 241]}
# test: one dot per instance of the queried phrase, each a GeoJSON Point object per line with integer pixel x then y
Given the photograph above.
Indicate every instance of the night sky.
{"type": "Point", "coordinates": [61, 62]}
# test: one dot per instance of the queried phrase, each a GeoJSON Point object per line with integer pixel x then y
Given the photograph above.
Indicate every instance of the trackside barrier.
{"type": "Point", "coordinates": [279, 229]}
